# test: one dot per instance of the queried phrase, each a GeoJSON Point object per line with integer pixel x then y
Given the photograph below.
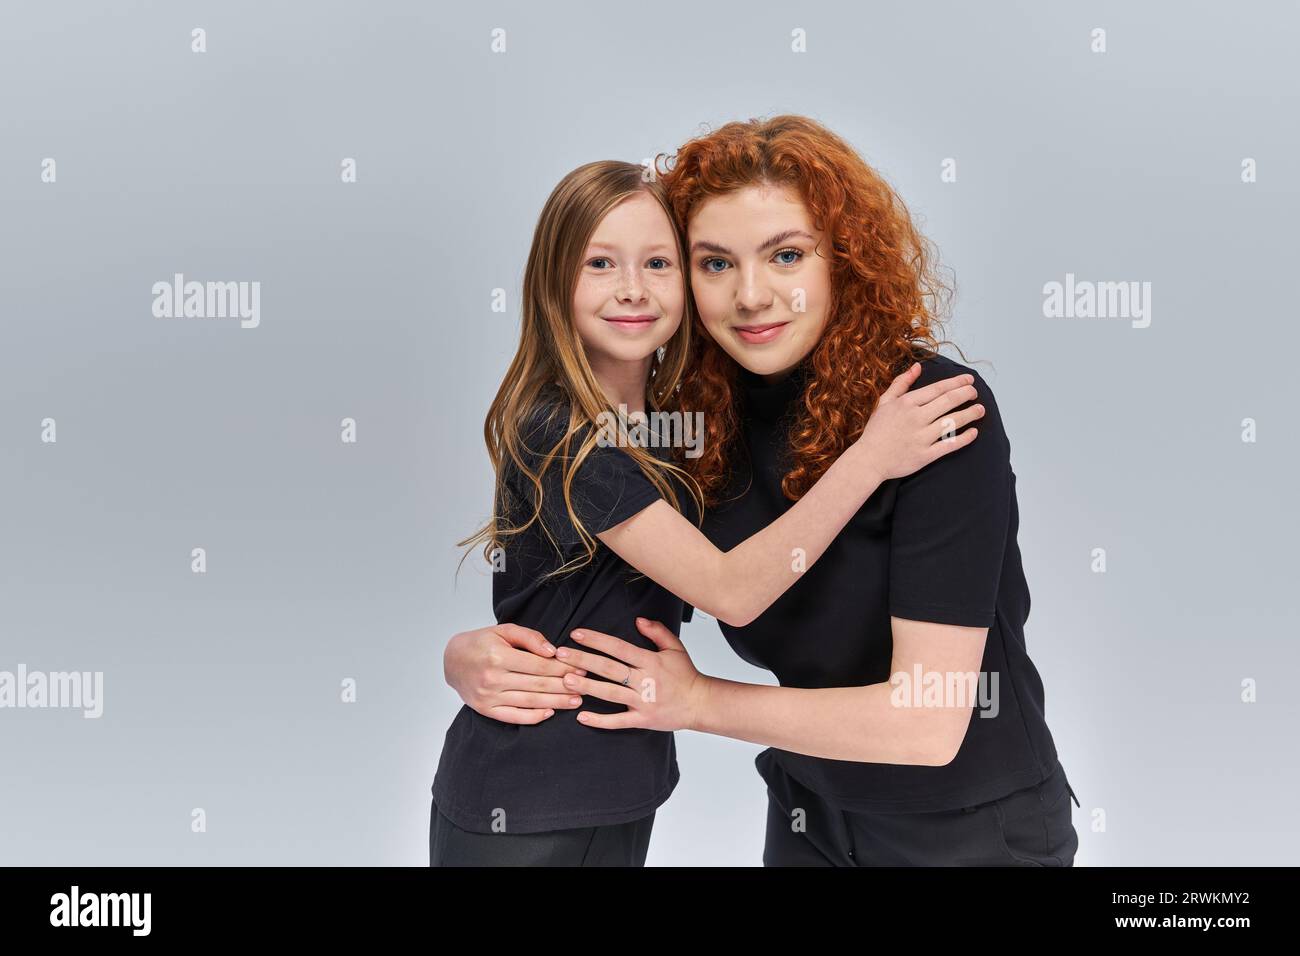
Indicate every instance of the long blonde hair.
{"type": "Point", "coordinates": [550, 353]}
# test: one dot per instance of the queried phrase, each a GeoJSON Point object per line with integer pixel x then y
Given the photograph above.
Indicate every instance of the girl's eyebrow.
{"type": "Point", "coordinates": [707, 246]}
{"type": "Point", "coordinates": [605, 245]}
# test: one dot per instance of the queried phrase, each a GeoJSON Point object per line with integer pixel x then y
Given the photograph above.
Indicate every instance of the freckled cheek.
{"type": "Point", "coordinates": [669, 290]}
{"type": "Point", "coordinates": [587, 313]}
{"type": "Point", "coordinates": [590, 294]}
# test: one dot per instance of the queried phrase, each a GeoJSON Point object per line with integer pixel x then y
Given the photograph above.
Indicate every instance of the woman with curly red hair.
{"type": "Point", "coordinates": [908, 727]}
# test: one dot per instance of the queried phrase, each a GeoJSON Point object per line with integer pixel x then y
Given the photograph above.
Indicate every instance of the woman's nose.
{"type": "Point", "coordinates": [752, 295]}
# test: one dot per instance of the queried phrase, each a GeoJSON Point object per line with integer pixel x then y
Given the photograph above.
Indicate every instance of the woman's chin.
{"type": "Point", "coordinates": [769, 363]}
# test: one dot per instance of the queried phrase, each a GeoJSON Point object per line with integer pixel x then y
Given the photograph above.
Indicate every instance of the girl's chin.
{"type": "Point", "coordinates": [626, 353]}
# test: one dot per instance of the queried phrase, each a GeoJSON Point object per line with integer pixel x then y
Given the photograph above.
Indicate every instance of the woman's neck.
{"type": "Point", "coordinates": [781, 376]}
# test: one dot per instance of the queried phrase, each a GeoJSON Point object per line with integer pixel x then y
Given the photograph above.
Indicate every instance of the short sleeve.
{"type": "Point", "coordinates": [607, 489]}
{"type": "Point", "coordinates": [950, 525]}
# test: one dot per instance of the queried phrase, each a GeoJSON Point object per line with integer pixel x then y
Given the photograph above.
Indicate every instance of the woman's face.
{"type": "Point", "coordinates": [761, 289]}
{"type": "Point", "coordinates": [631, 290]}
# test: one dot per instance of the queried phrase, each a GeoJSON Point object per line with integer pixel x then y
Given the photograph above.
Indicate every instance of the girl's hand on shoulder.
{"type": "Point", "coordinates": [909, 430]}
{"type": "Point", "coordinates": [508, 673]}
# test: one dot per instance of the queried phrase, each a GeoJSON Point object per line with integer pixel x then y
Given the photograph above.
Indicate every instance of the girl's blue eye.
{"type": "Point", "coordinates": [788, 252]}
{"type": "Point", "coordinates": [597, 262]}
{"type": "Point", "coordinates": [708, 264]}
{"type": "Point", "coordinates": [663, 263]}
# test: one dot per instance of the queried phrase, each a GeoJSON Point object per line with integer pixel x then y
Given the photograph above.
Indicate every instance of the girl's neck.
{"type": "Point", "coordinates": [624, 383]}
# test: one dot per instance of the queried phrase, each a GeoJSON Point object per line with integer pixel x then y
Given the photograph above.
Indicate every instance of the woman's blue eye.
{"type": "Point", "coordinates": [708, 264]}
{"type": "Point", "coordinates": [663, 263]}
{"type": "Point", "coordinates": [788, 252]}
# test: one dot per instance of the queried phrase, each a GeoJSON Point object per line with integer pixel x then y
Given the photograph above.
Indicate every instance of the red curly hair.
{"type": "Point", "coordinates": [886, 299]}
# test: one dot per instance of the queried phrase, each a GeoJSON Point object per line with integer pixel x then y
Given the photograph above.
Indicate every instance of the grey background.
{"type": "Point", "coordinates": [328, 561]}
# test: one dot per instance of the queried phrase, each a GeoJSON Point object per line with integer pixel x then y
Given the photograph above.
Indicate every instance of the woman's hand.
{"type": "Point", "coordinates": [661, 689]}
{"type": "Point", "coordinates": [506, 672]}
{"type": "Point", "coordinates": [908, 430]}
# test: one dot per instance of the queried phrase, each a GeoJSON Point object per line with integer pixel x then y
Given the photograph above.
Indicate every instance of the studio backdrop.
{"type": "Point", "coordinates": [228, 533]}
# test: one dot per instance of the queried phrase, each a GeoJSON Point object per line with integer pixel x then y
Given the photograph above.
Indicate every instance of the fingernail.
{"type": "Point", "coordinates": [570, 679]}
{"type": "Point", "coordinates": [550, 713]}
{"type": "Point", "coordinates": [579, 636]}
{"type": "Point", "coordinates": [583, 718]}
{"type": "Point", "coordinates": [547, 648]}
{"type": "Point", "coordinates": [562, 653]}
{"type": "Point", "coordinates": [575, 701]}
{"type": "Point", "coordinates": [580, 672]}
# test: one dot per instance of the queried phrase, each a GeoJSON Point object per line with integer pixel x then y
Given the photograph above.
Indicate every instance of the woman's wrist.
{"type": "Point", "coordinates": [702, 716]}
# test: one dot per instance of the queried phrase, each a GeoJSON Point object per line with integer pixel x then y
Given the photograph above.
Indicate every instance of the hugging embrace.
{"type": "Point", "coordinates": [849, 517]}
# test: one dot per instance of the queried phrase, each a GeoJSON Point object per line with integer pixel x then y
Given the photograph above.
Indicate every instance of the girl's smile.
{"type": "Point", "coordinates": [632, 324]}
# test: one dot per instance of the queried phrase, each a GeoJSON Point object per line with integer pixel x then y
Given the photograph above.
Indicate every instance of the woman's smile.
{"type": "Point", "coordinates": [759, 333]}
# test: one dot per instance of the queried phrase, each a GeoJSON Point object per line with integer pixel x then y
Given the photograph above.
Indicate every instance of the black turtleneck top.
{"type": "Point", "coordinates": [938, 545]}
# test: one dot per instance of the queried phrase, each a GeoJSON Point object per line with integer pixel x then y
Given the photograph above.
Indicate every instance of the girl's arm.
{"type": "Point", "coordinates": [906, 432]}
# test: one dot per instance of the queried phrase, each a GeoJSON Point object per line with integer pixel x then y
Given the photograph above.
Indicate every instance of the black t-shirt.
{"type": "Point", "coordinates": [560, 774]}
{"type": "Point", "coordinates": [938, 545]}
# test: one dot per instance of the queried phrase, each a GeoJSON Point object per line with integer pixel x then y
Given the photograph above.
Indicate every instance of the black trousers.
{"type": "Point", "coordinates": [1030, 827]}
{"type": "Point", "coordinates": [622, 844]}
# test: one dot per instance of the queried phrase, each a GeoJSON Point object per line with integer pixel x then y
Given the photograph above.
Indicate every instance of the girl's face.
{"type": "Point", "coordinates": [761, 289]}
{"type": "Point", "coordinates": [631, 291]}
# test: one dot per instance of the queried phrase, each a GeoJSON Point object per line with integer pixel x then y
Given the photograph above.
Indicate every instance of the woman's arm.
{"type": "Point", "coordinates": [948, 546]}
{"type": "Point", "coordinates": [896, 722]}
{"type": "Point", "coordinates": [906, 432]}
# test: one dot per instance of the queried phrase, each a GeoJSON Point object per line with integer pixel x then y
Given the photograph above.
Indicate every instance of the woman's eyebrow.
{"type": "Point", "coordinates": [782, 237]}
{"type": "Point", "coordinates": [707, 246]}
